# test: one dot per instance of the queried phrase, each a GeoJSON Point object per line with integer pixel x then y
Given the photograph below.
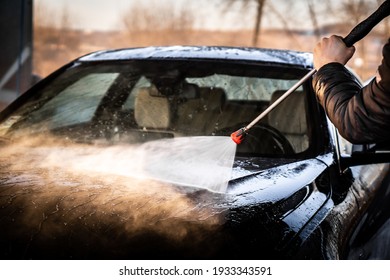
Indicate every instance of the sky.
{"type": "Point", "coordinates": [89, 14]}
{"type": "Point", "coordinates": [106, 14]}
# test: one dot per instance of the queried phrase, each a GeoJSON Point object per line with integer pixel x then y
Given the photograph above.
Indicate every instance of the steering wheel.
{"type": "Point", "coordinates": [260, 139]}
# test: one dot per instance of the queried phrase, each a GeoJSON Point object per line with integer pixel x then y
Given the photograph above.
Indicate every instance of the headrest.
{"type": "Point", "coordinates": [212, 98]}
{"type": "Point", "coordinates": [151, 109]}
{"type": "Point", "coordinates": [290, 115]}
{"type": "Point", "coordinates": [190, 91]}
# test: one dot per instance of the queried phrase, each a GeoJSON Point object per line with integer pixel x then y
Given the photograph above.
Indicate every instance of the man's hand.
{"type": "Point", "coordinates": [331, 49]}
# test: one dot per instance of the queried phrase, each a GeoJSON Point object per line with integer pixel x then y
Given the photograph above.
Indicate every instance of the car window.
{"type": "Point", "coordinates": [140, 101]}
{"type": "Point", "coordinates": [74, 104]}
{"type": "Point", "coordinates": [219, 104]}
{"type": "Point", "coordinates": [77, 103]}
{"type": "Point", "coordinates": [244, 88]}
{"type": "Point", "coordinates": [345, 146]}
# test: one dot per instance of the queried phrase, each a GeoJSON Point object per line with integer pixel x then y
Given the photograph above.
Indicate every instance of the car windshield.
{"type": "Point", "coordinates": [143, 100]}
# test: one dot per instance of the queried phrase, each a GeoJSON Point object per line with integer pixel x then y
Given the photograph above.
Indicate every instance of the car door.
{"type": "Point", "coordinates": [363, 211]}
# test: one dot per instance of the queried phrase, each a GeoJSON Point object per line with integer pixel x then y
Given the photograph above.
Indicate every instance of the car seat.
{"type": "Point", "coordinates": [289, 117]}
{"type": "Point", "coordinates": [200, 115]}
{"type": "Point", "coordinates": [151, 109]}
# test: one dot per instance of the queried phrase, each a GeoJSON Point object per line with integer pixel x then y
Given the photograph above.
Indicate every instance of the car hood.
{"type": "Point", "coordinates": [274, 183]}
{"type": "Point", "coordinates": [46, 211]}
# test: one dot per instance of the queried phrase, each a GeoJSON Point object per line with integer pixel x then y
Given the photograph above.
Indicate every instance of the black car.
{"type": "Point", "coordinates": [69, 185]}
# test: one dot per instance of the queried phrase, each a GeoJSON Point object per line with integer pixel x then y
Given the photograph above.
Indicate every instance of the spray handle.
{"type": "Point", "coordinates": [364, 27]}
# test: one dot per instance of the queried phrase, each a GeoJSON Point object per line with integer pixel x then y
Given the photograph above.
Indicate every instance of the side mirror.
{"type": "Point", "coordinates": [367, 154]}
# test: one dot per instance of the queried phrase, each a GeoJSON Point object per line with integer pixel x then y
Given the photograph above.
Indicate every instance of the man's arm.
{"type": "Point", "coordinates": [362, 115]}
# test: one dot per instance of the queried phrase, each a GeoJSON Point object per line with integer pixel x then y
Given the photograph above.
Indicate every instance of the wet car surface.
{"type": "Point", "coordinates": [71, 184]}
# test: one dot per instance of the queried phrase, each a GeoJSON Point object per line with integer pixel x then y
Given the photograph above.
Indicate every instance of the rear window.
{"type": "Point", "coordinates": [244, 88]}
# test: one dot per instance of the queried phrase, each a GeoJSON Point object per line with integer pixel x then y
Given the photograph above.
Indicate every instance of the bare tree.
{"type": "Point", "coordinates": [65, 23]}
{"type": "Point", "coordinates": [44, 26]}
{"type": "Point", "coordinates": [140, 17]}
{"type": "Point", "coordinates": [66, 34]}
{"type": "Point", "coordinates": [259, 6]}
{"type": "Point", "coordinates": [285, 23]}
{"type": "Point", "coordinates": [386, 29]}
{"type": "Point", "coordinates": [41, 18]}
{"type": "Point", "coordinates": [51, 29]}
{"type": "Point", "coordinates": [314, 18]}
{"type": "Point", "coordinates": [259, 16]}
{"type": "Point", "coordinates": [55, 40]}
{"type": "Point", "coordinates": [164, 24]}
{"type": "Point", "coordinates": [354, 11]}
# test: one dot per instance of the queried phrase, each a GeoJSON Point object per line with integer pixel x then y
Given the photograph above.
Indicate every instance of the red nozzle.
{"type": "Point", "coordinates": [238, 135]}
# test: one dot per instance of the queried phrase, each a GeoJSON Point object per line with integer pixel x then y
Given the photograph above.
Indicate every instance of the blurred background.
{"type": "Point", "coordinates": [42, 35]}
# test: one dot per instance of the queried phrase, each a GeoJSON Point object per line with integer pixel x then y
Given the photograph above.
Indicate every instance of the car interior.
{"type": "Point", "coordinates": [208, 111]}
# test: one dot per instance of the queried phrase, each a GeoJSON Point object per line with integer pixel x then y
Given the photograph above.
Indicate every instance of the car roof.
{"type": "Point", "coordinates": [277, 56]}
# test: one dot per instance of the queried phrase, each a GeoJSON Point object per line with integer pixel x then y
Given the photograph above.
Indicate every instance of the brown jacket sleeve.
{"type": "Point", "coordinates": [361, 114]}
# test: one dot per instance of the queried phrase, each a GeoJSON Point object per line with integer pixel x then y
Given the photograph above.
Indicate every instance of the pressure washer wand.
{"type": "Point", "coordinates": [357, 33]}
{"type": "Point", "coordinates": [238, 136]}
